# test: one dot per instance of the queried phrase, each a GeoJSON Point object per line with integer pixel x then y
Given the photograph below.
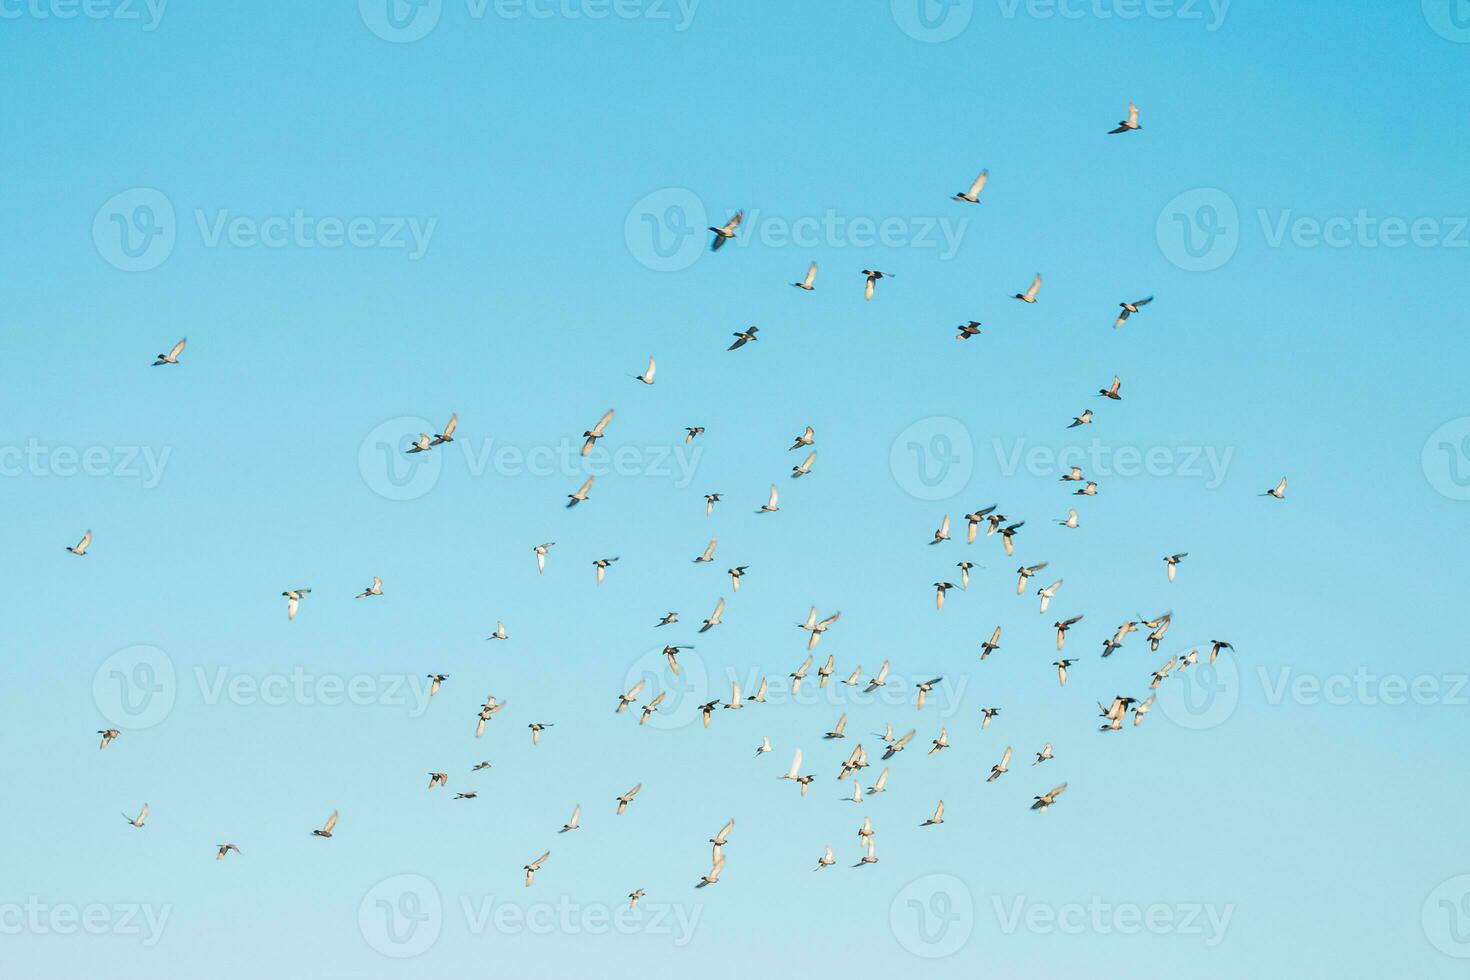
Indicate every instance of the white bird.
{"type": "Point", "coordinates": [375, 589]}
{"type": "Point", "coordinates": [1043, 755]}
{"type": "Point", "coordinates": [651, 707]}
{"type": "Point", "coordinates": [108, 734]}
{"type": "Point", "coordinates": [938, 817]}
{"type": "Point", "coordinates": [805, 467]}
{"type": "Point", "coordinates": [1279, 492]}
{"type": "Point", "coordinates": [973, 194]}
{"type": "Point", "coordinates": [1084, 419]}
{"type": "Point", "coordinates": [1173, 562]}
{"type": "Point", "coordinates": [601, 565]}
{"type": "Point", "coordinates": [735, 704]}
{"type": "Point", "coordinates": [448, 434]}
{"type": "Point", "coordinates": [865, 832]}
{"type": "Point", "coordinates": [898, 745]}
{"type": "Point", "coordinates": [634, 896]}
{"type": "Point", "coordinates": [873, 276]}
{"type": "Point", "coordinates": [878, 680]}
{"type": "Point", "coordinates": [172, 357]}
{"type": "Point", "coordinates": [805, 439]}
{"type": "Point", "coordinates": [1061, 666]}
{"type": "Point", "coordinates": [1029, 296]}
{"type": "Point", "coordinates": [940, 588]}
{"type": "Point", "coordinates": [1062, 626]}
{"type": "Point", "coordinates": [421, 445]}
{"type": "Point", "coordinates": [795, 769]}
{"type": "Point", "coordinates": [1071, 520]}
{"type": "Point", "coordinates": [985, 715]}
{"type": "Point", "coordinates": [626, 699]}
{"type": "Point", "coordinates": [942, 742]}
{"type": "Point", "coordinates": [138, 820]}
{"type": "Point", "coordinates": [942, 534]}
{"type": "Point", "coordinates": [811, 277]}
{"type": "Point", "coordinates": [770, 506]}
{"type": "Point", "coordinates": [1026, 571]}
{"type": "Point", "coordinates": [533, 867]}
{"type": "Point", "coordinates": [723, 837]}
{"type": "Point", "coordinates": [764, 747]}
{"type": "Point", "coordinates": [500, 633]}
{"type": "Point", "coordinates": [1000, 767]}
{"type": "Point", "coordinates": [596, 432]}
{"type": "Point", "coordinates": [816, 628]}
{"type": "Point", "coordinates": [647, 376]}
{"type": "Point", "coordinates": [1129, 309]}
{"type": "Point", "coordinates": [1127, 125]}
{"type": "Point", "coordinates": [713, 878]}
{"type": "Point", "coordinates": [872, 856]}
{"type": "Point", "coordinates": [1074, 475]}
{"type": "Point", "coordinates": [881, 783]}
{"type": "Point", "coordinates": [1047, 799]}
{"type": "Point", "coordinates": [573, 499]}
{"type": "Point", "coordinates": [293, 601]}
{"type": "Point", "coordinates": [838, 729]}
{"type": "Point", "coordinates": [924, 688]}
{"type": "Point", "coordinates": [326, 830]}
{"type": "Point", "coordinates": [826, 860]}
{"type": "Point", "coordinates": [80, 548]}
{"type": "Point", "coordinates": [573, 823]}
{"type": "Point", "coordinates": [799, 674]}
{"type": "Point", "coordinates": [857, 793]}
{"type": "Point", "coordinates": [1047, 593]}
{"type": "Point", "coordinates": [991, 645]}
{"type": "Point", "coordinates": [627, 797]}
{"type": "Point", "coordinates": [710, 499]}
{"type": "Point", "coordinates": [709, 552]}
{"type": "Point", "coordinates": [541, 551]}
{"type": "Point", "coordinates": [1112, 390]}
{"type": "Point", "coordinates": [714, 619]}
{"type": "Point", "coordinates": [1141, 709]}
{"type": "Point", "coordinates": [824, 672]}
{"type": "Point", "coordinates": [726, 231]}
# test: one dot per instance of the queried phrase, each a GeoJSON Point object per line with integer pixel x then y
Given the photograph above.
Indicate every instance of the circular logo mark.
{"type": "Point", "coordinates": [1203, 695]}
{"type": "Point", "coordinates": [387, 466]}
{"type": "Point", "coordinates": [682, 694]}
{"type": "Point", "coordinates": [665, 230]}
{"type": "Point", "coordinates": [401, 916]}
{"type": "Point", "coordinates": [400, 21]}
{"type": "Point", "coordinates": [134, 231]}
{"type": "Point", "coordinates": [932, 21]}
{"type": "Point", "coordinates": [1446, 917]}
{"type": "Point", "coordinates": [135, 687]}
{"type": "Point", "coordinates": [1199, 230]}
{"type": "Point", "coordinates": [1445, 459]}
{"type": "Point", "coordinates": [933, 458]}
{"type": "Point", "coordinates": [1450, 19]}
{"type": "Point", "coordinates": [933, 916]}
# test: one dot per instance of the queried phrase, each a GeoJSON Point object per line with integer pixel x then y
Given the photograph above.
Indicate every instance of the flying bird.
{"type": "Point", "coordinates": [1061, 666]}
{"type": "Point", "coordinates": [1111, 391]}
{"type": "Point", "coordinates": [743, 337]}
{"type": "Point", "coordinates": [627, 797]}
{"type": "Point", "coordinates": [293, 601]}
{"type": "Point", "coordinates": [541, 551]}
{"type": "Point", "coordinates": [1172, 561]}
{"type": "Point", "coordinates": [420, 445]}
{"type": "Point", "coordinates": [690, 431]}
{"type": "Point", "coordinates": [375, 589]}
{"type": "Point", "coordinates": [940, 588]}
{"type": "Point", "coordinates": [770, 506]}
{"type": "Point", "coordinates": [938, 817]}
{"type": "Point", "coordinates": [1279, 492]}
{"type": "Point", "coordinates": [448, 434]}
{"type": "Point", "coordinates": [942, 533]}
{"type": "Point", "coordinates": [1129, 309]}
{"type": "Point", "coordinates": [138, 820]}
{"type": "Point", "coordinates": [647, 376]}
{"type": "Point", "coordinates": [924, 688]}
{"type": "Point", "coordinates": [1043, 755]}
{"type": "Point", "coordinates": [714, 619]}
{"type": "Point", "coordinates": [651, 707]}
{"type": "Point", "coordinates": [573, 823]}
{"type": "Point", "coordinates": [598, 431]}
{"type": "Point", "coordinates": [725, 232]}
{"type": "Point", "coordinates": [1061, 627]}
{"type": "Point", "coordinates": [805, 467]}
{"type": "Point", "coordinates": [223, 849]}
{"type": "Point", "coordinates": [80, 548]}
{"type": "Point", "coordinates": [326, 830]}
{"type": "Point", "coordinates": [873, 276]}
{"type": "Point", "coordinates": [1029, 296]}
{"type": "Point", "coordinates": [1047, 593]}
{"type": "Point", "coordinates": [1001, 767]}
{"type": "Point", "coordinates": [973, 194]}
{"type": "Point", "coordinates": [1127, 125]}
{"type": "Point", "coordinates": [533, 867]}
{"type": "Point", "coordinates": [993, 644]}
{"type": "Point", "coordinates": [805, 439]}
{"type": "Point", "coordinates": [1048, 798]}
{"type": "Point", "coordinates": [172, 357]}
{"type": "Point", "coordinates": [1084, 419]}
{"type": "Point", "coordinates": [968, 330]}
{"type": "Point", "coordinates": [500, 633]}
{"type": "Point", "coordinates": [573, 499]}
{"type": "Point", "coordinates": [809, 283]}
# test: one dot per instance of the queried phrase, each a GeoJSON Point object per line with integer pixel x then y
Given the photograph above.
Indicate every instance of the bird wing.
{"type": "Point", "coordinates": [331, 822]}
{"type": "Point", "coordinates": [811, 275]}
{"type": "Point", "coordinates": [1034, 288]}
{"type": "Point", "coordinates": [1005, 759]}
{"type": "Point", "coordinates": [602, 422]}
{"type": "Point", "coordinates": [719, 608]}
{"type": "Point", "coordinates": [178, 348]}
{"type": "Point", "coordinates": [771, 503]}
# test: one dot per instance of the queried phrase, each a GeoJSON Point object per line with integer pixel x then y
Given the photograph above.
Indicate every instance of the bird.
{"type": "Point", "coordinates": [1084, 419]}
{"type": "Point", "coordinates": [631, 696]}
{"type": "Point", "coordinates": [1071, 520]}
{"type": "Point", "coordinates": [865, 832]}
{"type": "Point", "coordinates": [108, 734]}
{"type": "Point", "coordinates": [964, 567]}
{"type": "Point", "coordinates": [942, 533]}
{"type": "Point", "coordinates": [1216, 646]}
{"type": "Point", "coordinates": [647, 376]}
{"type": "Point", "coordinates": [878, 680]}
{"type": "Point", "coordinates": [1062, 626]}
{"type": "Point", "coordinates": [573, 499]}
{"type": "Point", "coordinates": [651, 707]}
{"type": "Point", "coordinates": [326, 830]}
{"type": "Point", "coordinates": [172, 357]}
{"type": "Point", "coordinates": [974, 522]}
{"type": "Point", "coordinates": [1029, 296]}
{"type": "Point", "coordinates": [968, 330]}
{"type": "Point", "coordinates": [671, 654]}
{"type": "Point", "coordinates": [725, 232]}
{"type": "Point", "coordinates": [942, 742]}
{"type": "Point", "coordinates": [420, 445]}
{"type": "Point", "coordinates": [824, 672]}
{"type": "Point", "coordinates": [1008, 535]}
{"type": "Point", "coordinates": [634, 896]}
{"type": "Point", "coordinates": [601, 565]}
{"type": "Point", "coordinates": [924, 688]}
{"type": "Point", "coordinates": [448, 434]}
{"type": "Point", "coordinates": [881, 783]}
{"type": "Point", "coordinates": [533, 867]}
{"type": "Point", "coordinates": [734, 704]}
{"type": "Point", "coordinates": [1061, 666]}
{"type": "Point", "coordinates": [1129, 309]}
{"type": "Point", "coordinates": [1026, 571]}
{"type": "Point", "coordinates": [826, 860]}
{"type": "Point", "coordinates": [1074, 475]}
{"type": "Point", "coordinates": [627, 797]}
{"type": "Point", "coordinates": [537, 728]}
{"type": "Point", "coordinates": [736, 574]}
{"type": "Point", "coordinates": [500, 633]}
{"type": "Point", "coordinates": [574, 822]}
{"type": "Point", "coordinates": [873, 276]}
{"type": "Point", "coordinates": [817, 628]}
{"type": "Point", "coordinates": [1141, 709]}
{"type": "Point", "coordinates": [375, 589]}
{"type": "Point", "coordinates": [710, 499]}
{"type": "Point", "coordinates": [837, 729]}
{"type": "Point", "coordinates": [707, 710]}
{"type": "Point", "coordinates": [1048, 798]}
{"type": "Point", "coordinates": [898, 745]}
{"type": "Point", "coordinates": [760, 693]}
{"type": "Point", "coordinates": [1043, 755]}
{"type": "Point", "coordinates": [438, 779]}
{"type": "Point", "coordinates": [714, 619]}
{"type": "Point", "coordinates": [1090, 490]}
{"type": "Point", "coordinates": [805, 439]}
{"type": "Point", "coordinates": [479, 766]}
{"type": "Point", "coordinates": [991, 645]}
{"type": "Point", "coordinates": [809, 283]}
{"type": "Point", "coordinates": [985, 715]}
{"type": "Point", "coordinates": [799, 674]}
{"type": "Point", "coordinates": [743, 337]}
{"type": "Point", "coordinates": [138, 820]}
{"type": "Point", "coordinates": [1173, 563]}
{"type": "Point", "coordinates": [764, 747]}
{"type": "Point", "coordinates": [541, 552]}
{"type": "Point", "coordinates": [1162, 672]}
{"type": "Point", "coordinates": [1048, 592]}
{"type": "Point", "coordinates": [973, 194]}
{"type": "Point", "coordinates": [1127, 125]}
{"type": "Point", "coordinates": [713, 877]}
{"type": "Point", "coordinates": [598, 431]}
{"type": "Point", "coordinates": [770, 506]}
{"type": "Point", "coordinates": [708, 554]}
{"type": "Point", "coordinates": [794, 771]}
{"type": "Point", "coordinates": [80, 548]}
{"type": "Point", "coordinates": [1111, 391]}
{"type": "Point", "coordinates": [938, 817]}
{"type": "Point", "coordinates": [293, 601]}
{"type": "Point", "coordinates": [690, 431]}
{"type": "Point", "coordinates": [223, 849]}
{"type": "Point", "coordinates": [1001, 767]}
{"type": "Point", "coordinates": [939, 589]}
{"type": "Point", "coordinates": [872, 856]}
{"type": "Point", "coordinates": [805, 467]}
{"type": "Point", "coordinates": [723, 836]}
{"type": "Point", "coordinates": [1279, 492]}
{"type": "Point", "coordinates": [467, 795]}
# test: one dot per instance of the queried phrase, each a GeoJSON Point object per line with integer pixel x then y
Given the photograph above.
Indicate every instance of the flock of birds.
{"type": "Point", "coordinates": [1113, 714]}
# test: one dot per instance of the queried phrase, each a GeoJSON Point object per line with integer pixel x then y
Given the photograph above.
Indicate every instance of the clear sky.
{"type": "Point", "coordinates": [365, 219]}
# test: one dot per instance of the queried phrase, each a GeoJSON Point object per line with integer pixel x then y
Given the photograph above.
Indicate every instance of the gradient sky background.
{"type": "Point", "coordinates": [542, 148]}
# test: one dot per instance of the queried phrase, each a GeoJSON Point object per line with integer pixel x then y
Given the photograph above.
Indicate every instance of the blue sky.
{"type": "Point", "coordinates": [358, 231]}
